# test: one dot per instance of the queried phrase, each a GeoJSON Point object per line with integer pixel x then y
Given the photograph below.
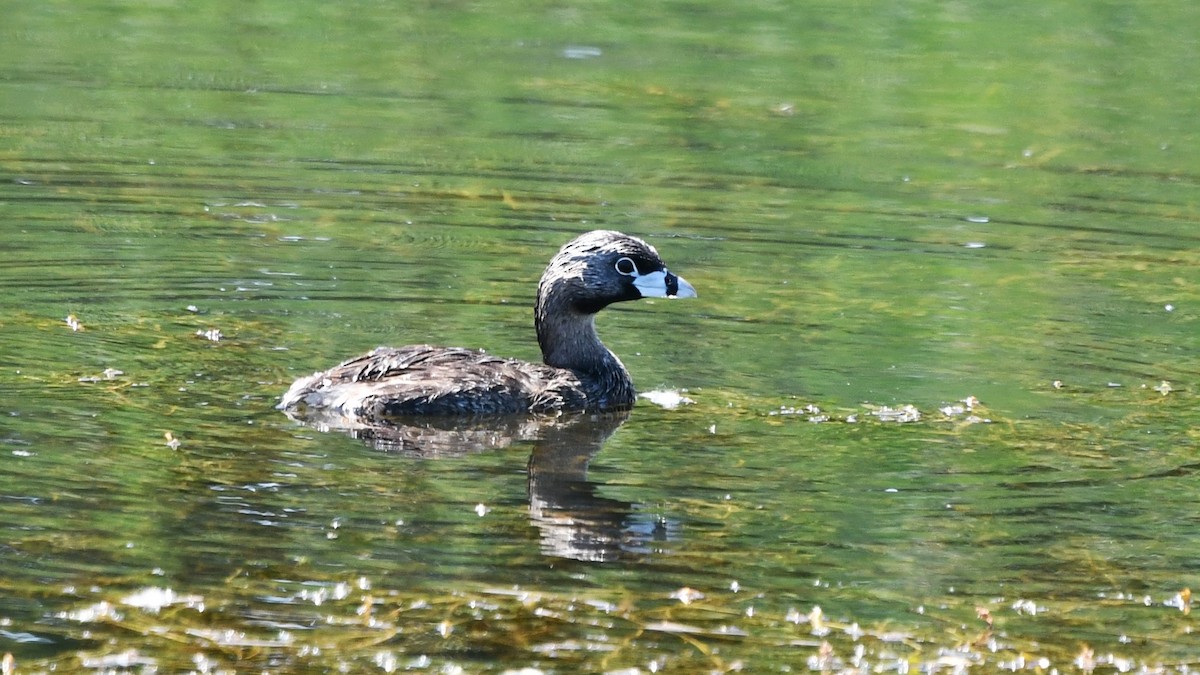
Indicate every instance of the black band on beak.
{"type": "Point", "coordinates": [672, 285]}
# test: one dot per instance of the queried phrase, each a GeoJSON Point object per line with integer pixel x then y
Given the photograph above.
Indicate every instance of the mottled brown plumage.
{"type": "Point", "coordinates": [589, 273]}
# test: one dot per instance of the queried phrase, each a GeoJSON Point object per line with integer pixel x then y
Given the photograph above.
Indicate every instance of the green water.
{"type": "Point", "coordinates": [880, 205]}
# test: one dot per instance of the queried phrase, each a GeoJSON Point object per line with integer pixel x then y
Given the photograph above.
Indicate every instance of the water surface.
{"type": "Point", "coordinates": [880, 207]}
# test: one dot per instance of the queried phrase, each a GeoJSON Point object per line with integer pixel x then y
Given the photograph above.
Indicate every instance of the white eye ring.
{"type": "Point", "coordinates": [627, 267]}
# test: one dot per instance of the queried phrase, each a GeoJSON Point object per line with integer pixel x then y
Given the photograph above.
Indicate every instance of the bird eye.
{"type": "Point", "coordinates": [627, 267]}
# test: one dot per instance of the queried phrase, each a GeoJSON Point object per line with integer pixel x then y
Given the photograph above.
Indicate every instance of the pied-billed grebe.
{"type": "Point", "coordinates": [589, 273]}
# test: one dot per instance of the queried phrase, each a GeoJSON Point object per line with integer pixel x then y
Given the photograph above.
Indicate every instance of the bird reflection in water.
{"type": "Point", "coordinates": [573, 520]}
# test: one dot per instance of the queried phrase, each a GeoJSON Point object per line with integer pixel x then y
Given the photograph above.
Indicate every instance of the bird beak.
{"type": "Point", "coordinates": [663, 284]}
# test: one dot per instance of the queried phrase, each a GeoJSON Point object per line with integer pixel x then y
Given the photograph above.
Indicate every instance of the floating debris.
{"type": "Point", "coordinates": [1086, 660]}
{"type": "Point", "coordinates": [816, 620]}
{"type": "Point", "coordinates": [962, 407]}
{"type": "Point", "coordinates": [962, 410]}
{"type": "Point", "coordinates": [108, 374]}
{"type": "Point", "coordinates": [667, 399]}
{"type": "Point", "coordinates": [687, 595]}
{"type": "Point", "coordinates": [1181, 601]}
{"type": "Point", "coordinates": [809, 409]}
{"type": "Point", "coordinates": [900, 415]}
{"type": "Point", "coordinates": [73, 323]}
{"type": "Point", "coordinates": [812, 411]}
{"type": "Point", "coordinates": [172, 442]}
{"type": "Point", "coordinates": [1027, 607]}
{"type": "Point", "coordinates": [193, 309]}
{"type": "Point", "coordinates": [482, 510]}
{"type": "Point", "coordinates": [824, 660]}
{"type": "Point", "coordinates": [213, 334]}
{"type": "Point", "coordinates": [1164, 388]}
{"type": "Point", "coordinates": [154, 599]}
{"type": "Point", "coordinates": [600, 634]}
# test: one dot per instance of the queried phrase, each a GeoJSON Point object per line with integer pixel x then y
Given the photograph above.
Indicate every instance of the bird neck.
{"type": "Point", "coordinates": [568, 340]}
